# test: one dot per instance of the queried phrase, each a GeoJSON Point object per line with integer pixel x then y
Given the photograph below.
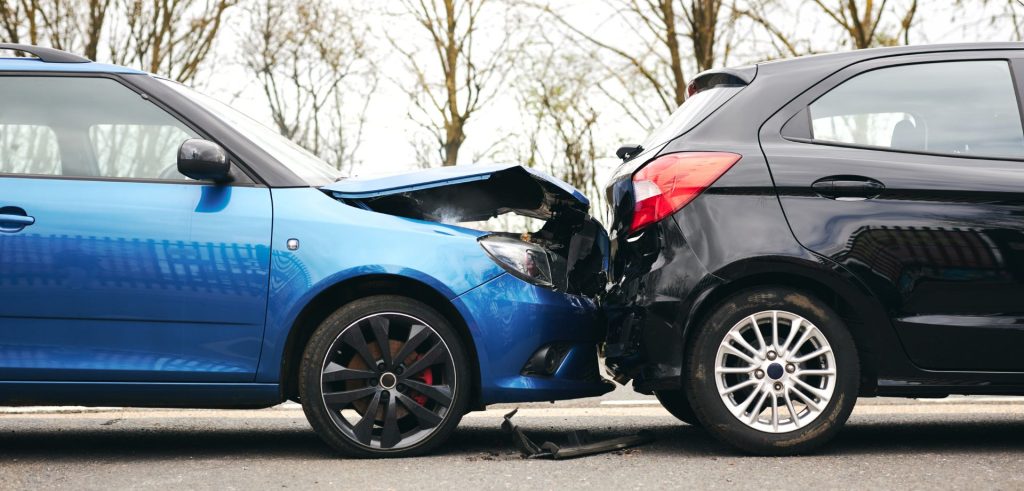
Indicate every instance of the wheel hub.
{"type": "Point", "coordinates": [775, 371]}
{"type": "Point", "coordinates": [388, 380]}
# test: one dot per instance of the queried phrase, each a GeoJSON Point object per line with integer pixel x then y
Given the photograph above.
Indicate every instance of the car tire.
{"type": "Point", "coordinates": [788, 395]}
{"type": "Point", "coordinates": [368, 402]}
{"type": "Point", "coordinates": [678, 404]}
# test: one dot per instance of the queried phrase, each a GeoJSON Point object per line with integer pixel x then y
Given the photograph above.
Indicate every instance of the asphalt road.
{"type": "Point", "coordinates": [975, 443]}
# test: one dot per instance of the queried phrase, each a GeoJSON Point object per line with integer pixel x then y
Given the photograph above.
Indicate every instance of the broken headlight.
{"type": "Point", "coordinates": [523, 260]}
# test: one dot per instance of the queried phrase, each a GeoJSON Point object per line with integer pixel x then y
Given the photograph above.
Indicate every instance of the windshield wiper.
{"type": "Point", "coordinates": [628, 151]}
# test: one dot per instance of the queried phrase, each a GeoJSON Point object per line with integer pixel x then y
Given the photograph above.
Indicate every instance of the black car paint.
{"type": "Point", "coordinates": [743, 231]}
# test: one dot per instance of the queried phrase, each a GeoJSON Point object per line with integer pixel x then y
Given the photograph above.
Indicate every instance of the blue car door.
{"type": "Point", "coordinates": [113, 266]}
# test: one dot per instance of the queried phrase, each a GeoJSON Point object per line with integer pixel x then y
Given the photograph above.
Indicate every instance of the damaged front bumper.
{"type": "Point", "coordinates": [533, 343]}
{"type": "Point", "coordinates": [535, 328]}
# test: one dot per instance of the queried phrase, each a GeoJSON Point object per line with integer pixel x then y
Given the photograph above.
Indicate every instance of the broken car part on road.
{"type": "Point", "coordinates": [579, 443]}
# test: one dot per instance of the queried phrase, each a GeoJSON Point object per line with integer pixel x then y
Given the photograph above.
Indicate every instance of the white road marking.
{"type": "Point", "coordinates": [495, 414]}
{"type": "Point", "coordinates": [637, 402]}
{"type": "Point", "coordinates": [973, 400]}
{"type": "Point", "coordinates": [612, 408]}
{"type": "Point", "coordinates": [57, 409]}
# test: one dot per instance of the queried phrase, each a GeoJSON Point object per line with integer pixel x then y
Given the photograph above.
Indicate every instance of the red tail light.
{"type": "Point", "coordinates": [667, 184]}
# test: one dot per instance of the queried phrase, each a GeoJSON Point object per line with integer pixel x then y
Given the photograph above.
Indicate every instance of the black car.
{"type": "Point", "coordinates": [804, 232]}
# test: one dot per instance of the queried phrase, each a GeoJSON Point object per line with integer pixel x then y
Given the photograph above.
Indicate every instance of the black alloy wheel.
{"type": "Point", "coordinates": [381, 377]}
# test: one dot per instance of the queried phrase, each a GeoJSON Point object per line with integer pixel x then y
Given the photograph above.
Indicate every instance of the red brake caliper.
{"type": "Point", "coordinates": [427, 377]}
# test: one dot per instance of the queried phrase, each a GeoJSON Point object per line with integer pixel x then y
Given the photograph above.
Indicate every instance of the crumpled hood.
{"type": "Point", "coordinates": [463, 193]}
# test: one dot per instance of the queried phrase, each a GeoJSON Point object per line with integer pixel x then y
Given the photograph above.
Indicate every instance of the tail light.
{"type": "Point", "coordinates": [667, 184]}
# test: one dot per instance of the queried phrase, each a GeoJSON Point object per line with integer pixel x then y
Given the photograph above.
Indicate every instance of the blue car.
{"type": "Point", "coordinates": [158, 248]}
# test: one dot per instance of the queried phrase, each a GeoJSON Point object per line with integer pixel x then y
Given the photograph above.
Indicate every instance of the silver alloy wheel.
{"type": "Point", "coordinates": [775, 371]}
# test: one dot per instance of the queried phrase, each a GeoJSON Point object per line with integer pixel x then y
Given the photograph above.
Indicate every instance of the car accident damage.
{"type": "Point", "coordinates": [579, 444]}
{"type": "Point", "coordinates": [568, 253]}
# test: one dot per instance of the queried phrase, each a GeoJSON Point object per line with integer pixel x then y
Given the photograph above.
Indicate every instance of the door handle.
{"type": "Point", "coordinates": [13, 219]}
{"type": "Point", "coordinates": [847, 188]}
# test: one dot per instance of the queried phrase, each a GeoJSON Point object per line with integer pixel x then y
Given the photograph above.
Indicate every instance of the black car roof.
{"type": "Point", "coordinates": [847, 57]}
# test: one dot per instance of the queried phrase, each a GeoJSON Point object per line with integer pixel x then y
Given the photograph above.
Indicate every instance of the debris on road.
{"type": "Point", "coordinates": [580, 444]}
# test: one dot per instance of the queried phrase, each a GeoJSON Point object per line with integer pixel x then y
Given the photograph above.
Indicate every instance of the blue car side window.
{"type": "Point", "coordinates": [88, 127]}
{"type": "Point", "coordinates": [28, 149]}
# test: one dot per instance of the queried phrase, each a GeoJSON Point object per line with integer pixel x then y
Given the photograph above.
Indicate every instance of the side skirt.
{"type": "Point", "coordinates": [942, 384]}
{"type": "Point", "coordinates": [140, 394]}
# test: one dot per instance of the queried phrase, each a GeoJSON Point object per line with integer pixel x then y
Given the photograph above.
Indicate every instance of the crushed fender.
{"type": "Point", "coordinates": [580, 444]}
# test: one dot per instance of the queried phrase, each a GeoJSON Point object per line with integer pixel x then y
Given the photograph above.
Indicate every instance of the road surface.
{"type": "Point", "coordinates": [975, 443]}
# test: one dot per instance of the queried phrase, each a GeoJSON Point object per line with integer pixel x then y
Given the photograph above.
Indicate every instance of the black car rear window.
{"type": "Point", "coordinates": [691, 113]}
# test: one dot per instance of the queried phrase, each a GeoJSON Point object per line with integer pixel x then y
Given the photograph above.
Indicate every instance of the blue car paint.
{"type": "Point", "coordinates": [141, 394]}
{"type": "Point", "coordinates": [131, 281]}
{"type": "Point", "coordinates": [510, 319]}
{"type": "Point", "coordinates": [361, 188]}
{"type": "Point", "coordinates": [340, 242]}
{"type": "Point", "coordinates": [183, 295]}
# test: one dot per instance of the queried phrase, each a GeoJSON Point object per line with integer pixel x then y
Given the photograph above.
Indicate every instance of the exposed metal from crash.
{"type": "Point", "coordinates": [569, 252]}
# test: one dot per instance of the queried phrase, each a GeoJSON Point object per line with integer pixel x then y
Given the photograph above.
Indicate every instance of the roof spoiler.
{"type": "Point", "coordinates": [721, 76]}
{"type": "Point", "coordinates": [47, 55]}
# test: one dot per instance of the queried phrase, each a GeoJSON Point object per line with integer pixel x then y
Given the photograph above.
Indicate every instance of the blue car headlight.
{"type": "Point", "coordinates": [523, 260]}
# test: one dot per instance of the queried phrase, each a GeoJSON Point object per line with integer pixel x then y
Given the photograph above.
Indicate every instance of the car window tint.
{"type": "Point", "coordinates": [139, 151]}
{"type": "Point", "coordinates": [874, 129]}
{"type": "Point", "coordinates": [92, 127]}
{"type": "Point", "coordinates": [28, 149]}
{"type": "Point", "coordinates": [964, 108]}
{"type": "Point", "coordinates": [693, 110]}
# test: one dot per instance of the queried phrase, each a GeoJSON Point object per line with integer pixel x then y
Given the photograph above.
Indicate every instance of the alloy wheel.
{"type": "Point", "coordinates": [388, 381]}
{"type": "Point", "coordinates": [775, 371]}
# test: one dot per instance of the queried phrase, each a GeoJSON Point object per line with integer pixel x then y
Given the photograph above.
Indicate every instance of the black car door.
{"type": "Point", "coordinates": [909, 171]}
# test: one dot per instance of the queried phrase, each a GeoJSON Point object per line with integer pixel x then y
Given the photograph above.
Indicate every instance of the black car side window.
{"type": "Point", "coordinates": [86, 127]}
{"type": "Point", "coordinates": [962, 108]}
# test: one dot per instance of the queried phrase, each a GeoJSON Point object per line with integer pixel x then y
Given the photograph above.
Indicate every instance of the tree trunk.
{"type": "Point", "coordinates": [703, 29]}
{"type": "Point", "coordinates": [97, 16]}
{"type": "Point", "coordinates": [454, 137]}
{"type": "Point", "coordinates": [672, 43]}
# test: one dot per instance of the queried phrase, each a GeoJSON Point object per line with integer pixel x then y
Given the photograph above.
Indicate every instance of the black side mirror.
{"type": "Point", "coordinates": [203, 160]}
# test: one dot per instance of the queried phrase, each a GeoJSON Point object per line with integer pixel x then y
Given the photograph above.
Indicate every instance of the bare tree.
{"type": "Point", "coordinates": [97, 16]}
{"type": "Point", "coordinates": [703, 18]}
{"type": "Point", "coordinates": [1008, 14]}
{"type": "Point", "coordinates": [461, 70]}
{"type": "Point", "coordinates": [766, 15]}
{"type": "Point", "coordinates": [73, 25]}
{"type": "Point", "coordinates": [862, 21]}
{"type": "Point", "coordinates": [18, 20]}
{"type": "Point", "coordinates": [172, 38]}
{"type": "Point", "coordinates": [675, 37]}
{"type": "Point", "coordinates": [310, 59]}
{"type": "Point", "coordinates": [555, 91]}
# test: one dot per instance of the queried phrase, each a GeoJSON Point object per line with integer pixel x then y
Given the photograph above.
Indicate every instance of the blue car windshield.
{"type": "Point", "coordinates": [300, 161]}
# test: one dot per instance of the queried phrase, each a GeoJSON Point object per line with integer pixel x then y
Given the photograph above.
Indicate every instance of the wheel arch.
{"type": "Point", "coordinates": [335, 296]}
{"type": "Point", "coordinates": [863, 315]}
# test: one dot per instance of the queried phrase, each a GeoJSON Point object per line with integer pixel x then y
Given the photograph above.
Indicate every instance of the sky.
{"type": "Point", "coordinates": [387, 144]}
